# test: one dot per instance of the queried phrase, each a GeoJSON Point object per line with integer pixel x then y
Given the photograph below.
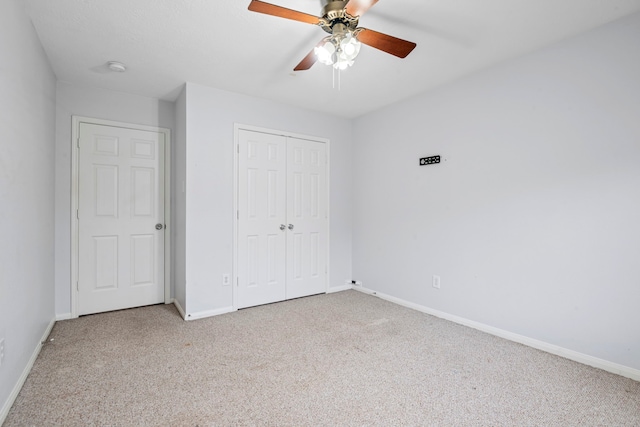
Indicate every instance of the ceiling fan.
{"type": "Point", "coordinates": [340, 20]}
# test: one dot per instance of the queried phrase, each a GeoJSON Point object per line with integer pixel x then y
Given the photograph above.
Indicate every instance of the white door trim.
{"type": "Point", "coordinates": [236, 132]}
{"type": "Point", "coordinates": [75, 135]}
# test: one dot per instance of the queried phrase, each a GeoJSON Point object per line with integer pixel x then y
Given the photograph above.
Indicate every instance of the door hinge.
{"type": "Point", "coordinates": [238, 148]}
{"type": "Point", "coordinates": [78, 142]}
{"type": "Point", "coordinates": [237, 282]}
{"type": "Point", "coordinates": [237, 214]}
{"type": "Point", "coordinates": [78, 286]}
{"type": "Point", "coordinates": [77, 213]}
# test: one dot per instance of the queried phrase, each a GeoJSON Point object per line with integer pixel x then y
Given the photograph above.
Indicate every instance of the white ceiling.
{"type": "Point", "coordinates": [223, 45]}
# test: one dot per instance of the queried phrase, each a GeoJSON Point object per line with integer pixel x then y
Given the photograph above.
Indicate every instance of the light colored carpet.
{"type": "Point", "coordinates": [344, 359]}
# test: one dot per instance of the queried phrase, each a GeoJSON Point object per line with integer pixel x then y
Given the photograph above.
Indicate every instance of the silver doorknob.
{"type": "Point", "coordinates": [282, 227]}
{"type": "Point", "coordinates": [290, 226]}
{"type": "Point", "coordinates": [159, 226]}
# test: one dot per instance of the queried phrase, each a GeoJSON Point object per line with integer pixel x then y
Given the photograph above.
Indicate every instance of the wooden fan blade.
{"type": "Point", "coordinates": [386, 43]}
{"type": "Point", "coordinates": [308, 60]}
{"type": "Point", "coordinates": [359, 7]}
{"type": "Point", "coordinates": [282, 12]}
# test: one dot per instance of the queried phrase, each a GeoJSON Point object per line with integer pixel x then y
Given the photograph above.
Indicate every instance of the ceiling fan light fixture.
{"type": "Point", "coordinates": [342, 64]}
{"type": "Point", "coordinates": [338, 50]}
{"type": "Point", "coordinates": [340, 19]}
{"type": "Point", "coordinates": [350, 47]}
{"type": "Point", "coordinates": [326, 52]}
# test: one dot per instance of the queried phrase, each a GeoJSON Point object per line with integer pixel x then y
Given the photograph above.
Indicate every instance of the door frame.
{"type": "Point", "coordinates": [237, 127]}
{"type": "Point", "coordinates": [75, 231]}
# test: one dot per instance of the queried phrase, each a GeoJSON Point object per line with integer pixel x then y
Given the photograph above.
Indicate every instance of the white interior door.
{"type": "Point", "coordinates": [120, 218]}
{"type": "Point", "coordinates": [306, 218]}
{"type": "Point", "coordinates": [282, 218]}
{"type": "Point", "coordinates": [262, 179]}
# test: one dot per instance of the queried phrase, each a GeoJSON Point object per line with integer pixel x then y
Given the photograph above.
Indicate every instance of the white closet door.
{"type": "Point", "coordinates": [306, 217]}
{"type": "Point", "coordinates": [121, 218]}
{"type": "Point", "coordinates": [282, 218]}
{"type": "Point", "coordinates": [262, 216]}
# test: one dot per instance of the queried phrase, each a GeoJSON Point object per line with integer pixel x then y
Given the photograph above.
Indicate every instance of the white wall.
{"type": "Point", "coordinates": [27, 120]}
{"type": "Point", "coordinates": [532, 220]}
{"type": "Point", "coordinates": [179, 200]}
{"type": "Point", "coordinates": [100, 104]}
{"type": "Point", "coordinates": [210, 116]}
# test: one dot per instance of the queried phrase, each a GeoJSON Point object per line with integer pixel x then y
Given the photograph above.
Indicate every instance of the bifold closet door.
{"type": "Point", "coordinates": [262, 198]}
{"type": "Point", "coordinates": [282, 218]}
{"type": "Point", "coordinates": [306, 217]}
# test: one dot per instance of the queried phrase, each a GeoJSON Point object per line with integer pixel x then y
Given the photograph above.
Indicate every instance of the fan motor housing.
{"type": "Point", "coordinates": [333, 12]}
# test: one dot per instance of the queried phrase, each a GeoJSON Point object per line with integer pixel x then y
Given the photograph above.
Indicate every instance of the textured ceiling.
{"type": "Point", "coordinates": [221, 44]}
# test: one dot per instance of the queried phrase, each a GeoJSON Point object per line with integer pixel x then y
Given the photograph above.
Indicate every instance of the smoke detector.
{"type": "Point", "coordinates": [117, 67]}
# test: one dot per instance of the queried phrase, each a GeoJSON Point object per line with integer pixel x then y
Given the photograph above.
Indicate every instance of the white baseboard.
{"type": "Point", "coordinates": [339, 289]}
{"type": "Point", "coordinates": [585, 359]}
{"type": "Point", "coordinates": [63, 316]}
{"type": "Point", "coordinates": [179, 308]}
{"type": "Point", "coordinates": [201, 314]}
{"type": "Point", "coordinates": [209, 313]}
{"type": "Point", "coordinates": [25, 373]}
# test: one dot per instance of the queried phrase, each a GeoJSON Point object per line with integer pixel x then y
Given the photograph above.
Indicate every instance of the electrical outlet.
{"type": "Point", "coordinates": [436, 281]}
{"type": "Point", "coordinates": [226, 280]}
{"type": "Point", "coordinates": [1, 350]}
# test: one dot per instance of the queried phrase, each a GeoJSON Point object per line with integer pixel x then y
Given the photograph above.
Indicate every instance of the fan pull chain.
{"type": "Point", "coordinates": [333, 75]}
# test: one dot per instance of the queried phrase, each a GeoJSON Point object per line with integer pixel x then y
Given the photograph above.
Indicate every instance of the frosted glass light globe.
{"type": "Point", "coordinates": [325, 53]}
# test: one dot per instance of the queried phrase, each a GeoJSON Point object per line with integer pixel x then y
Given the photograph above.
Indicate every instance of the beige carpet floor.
{"type": "Point", "coordinates": [344, 359]}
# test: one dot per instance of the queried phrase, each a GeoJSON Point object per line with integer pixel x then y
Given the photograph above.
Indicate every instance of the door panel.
{"type": "Point", "coordinates": [120, 200]}
{"type": "Point", "coordinates": [262, 210]}
{"type": "Point", "coordinates": [307, 213]}
{"type": "Point", "coordinates": [106, 261]}
{"type": "Point", "coordinates": [143, 189]}
{"type": "Point", "coordinates": [106, 190]}
{"type": "Point", "coordinates": [143, 270]}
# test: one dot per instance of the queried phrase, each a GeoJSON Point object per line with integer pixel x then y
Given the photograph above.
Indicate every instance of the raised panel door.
{"type": "Point", "coordinates": [120, 200]}
{"type": "Point", "coordinates": [262, 212]}
{"type": "Point", "coordinates": [307, 216]}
